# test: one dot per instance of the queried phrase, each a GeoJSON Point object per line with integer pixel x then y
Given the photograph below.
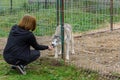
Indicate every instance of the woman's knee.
{"type": "Point", "coordinates": [35, 53]}
{"type": "Point", "coordinates": [38, 53]}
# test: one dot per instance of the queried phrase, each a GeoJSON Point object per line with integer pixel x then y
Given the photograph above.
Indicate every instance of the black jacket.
{"type": "Point", "coordinates": [19, 42]}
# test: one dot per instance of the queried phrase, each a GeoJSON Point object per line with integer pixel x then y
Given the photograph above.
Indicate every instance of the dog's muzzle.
{"type": "Point", "coordinates": [53, 45]}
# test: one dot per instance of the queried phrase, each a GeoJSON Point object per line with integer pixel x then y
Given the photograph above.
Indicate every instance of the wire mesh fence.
{"type": "Point", "coordinates": [84, 15]}
{"type": "Point", "coordinates": [94, 51]}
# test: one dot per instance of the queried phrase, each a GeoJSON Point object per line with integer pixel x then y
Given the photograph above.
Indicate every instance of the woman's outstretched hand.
{"type": "Point", "coordinates": [50, 47]}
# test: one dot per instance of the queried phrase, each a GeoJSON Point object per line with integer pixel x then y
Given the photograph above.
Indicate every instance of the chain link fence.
{"type": "Point", "coordinates": [92, 22]}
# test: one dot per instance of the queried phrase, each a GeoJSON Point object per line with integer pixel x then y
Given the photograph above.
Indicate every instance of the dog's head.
{"type": "Point", "coordinates": [56, 40]}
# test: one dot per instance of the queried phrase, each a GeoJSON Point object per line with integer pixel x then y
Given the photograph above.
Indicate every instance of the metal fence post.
{"type": "Point", "coordinates": [111, 15]}
{"type": "Point", "coordinates": [57, 7]}
{"type": "Point", "coordinates": [62, 24]}
{"type": "Point", "coordinates": [11, 6]}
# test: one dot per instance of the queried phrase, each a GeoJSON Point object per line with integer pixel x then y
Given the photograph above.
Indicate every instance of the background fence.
{"type": "Point", "coordinates": [83, 15]}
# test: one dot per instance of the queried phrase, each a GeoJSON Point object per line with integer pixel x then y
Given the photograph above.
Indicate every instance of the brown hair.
{"type": "Point", "coordinates": [28, 22]}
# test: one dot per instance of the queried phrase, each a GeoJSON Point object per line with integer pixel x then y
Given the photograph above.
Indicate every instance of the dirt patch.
{"type": "Point", "coordinates": [50, 61]}
{"type": "Point", "coordinates": [2, 44]}
{"type": "Point", "coordinates": [99, 52]}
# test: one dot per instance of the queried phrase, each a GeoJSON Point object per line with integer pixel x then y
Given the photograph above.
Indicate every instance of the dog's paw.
{"type": "Point", "coordinates": [56, 56]}
{"type": "Point", "coordinates": [60, 53]}
{"type": "Point", "coordinates": [67, 58]}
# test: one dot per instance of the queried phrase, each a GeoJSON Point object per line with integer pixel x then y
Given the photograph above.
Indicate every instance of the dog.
{"type": "Point", "coordinates": [68, 40]}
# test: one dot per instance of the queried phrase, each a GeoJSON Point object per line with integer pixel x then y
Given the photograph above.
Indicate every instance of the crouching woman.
{"type": "Point", "coordinates": [17, 51]}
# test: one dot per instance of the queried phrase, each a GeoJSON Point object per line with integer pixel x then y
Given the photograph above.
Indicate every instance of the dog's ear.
{"type": "Point", "coordinates": [53, 36]}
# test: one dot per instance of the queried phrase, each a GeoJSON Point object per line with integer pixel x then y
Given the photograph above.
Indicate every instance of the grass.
{"type": "Point", "coordinates": [47, 69]}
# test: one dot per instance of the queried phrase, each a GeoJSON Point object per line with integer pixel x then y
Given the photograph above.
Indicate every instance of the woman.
{"type": "Point", "coordinates": [17, 50]}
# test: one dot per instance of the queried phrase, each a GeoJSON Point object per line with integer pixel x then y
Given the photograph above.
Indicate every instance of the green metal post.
{"type": "Point", "coordinates": [62, 24]}
{"type": "Point", "coordinates": [111, 15]}
{"type": "Point", "coordinates": [58, 6]}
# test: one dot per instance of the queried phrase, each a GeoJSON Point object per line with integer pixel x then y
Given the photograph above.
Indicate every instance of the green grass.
{"type": "Point", "coordinates": [47, 69]}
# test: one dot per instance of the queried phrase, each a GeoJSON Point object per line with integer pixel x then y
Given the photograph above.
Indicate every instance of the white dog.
{"type": "Point", "coordinates": [68, 40]}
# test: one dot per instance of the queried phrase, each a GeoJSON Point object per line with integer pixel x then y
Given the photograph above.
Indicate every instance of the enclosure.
{"type": "Point", "coordinates": [95, 25]}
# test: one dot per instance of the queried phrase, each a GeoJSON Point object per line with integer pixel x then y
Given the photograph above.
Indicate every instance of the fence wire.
{"type": "Point", "coordinates": [96, 52]}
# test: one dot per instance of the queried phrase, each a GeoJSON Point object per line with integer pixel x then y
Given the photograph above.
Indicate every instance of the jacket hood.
{"type": "Point", "coordinates": [17, 31]}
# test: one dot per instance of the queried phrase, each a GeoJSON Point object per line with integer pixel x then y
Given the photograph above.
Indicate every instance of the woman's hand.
{"type": "Point", "coordinates": [50, 47]}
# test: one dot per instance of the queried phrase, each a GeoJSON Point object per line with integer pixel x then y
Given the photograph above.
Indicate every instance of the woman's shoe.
{"type": "Point", "coordinates": [21, 69]}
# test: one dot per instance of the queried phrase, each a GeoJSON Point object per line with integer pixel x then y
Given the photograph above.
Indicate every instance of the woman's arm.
{"type": "Point", "coordinates": [35, 45]}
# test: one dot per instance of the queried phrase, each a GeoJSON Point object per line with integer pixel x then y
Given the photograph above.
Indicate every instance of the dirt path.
{"type": "Point", "coordinates": [100, 52]}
